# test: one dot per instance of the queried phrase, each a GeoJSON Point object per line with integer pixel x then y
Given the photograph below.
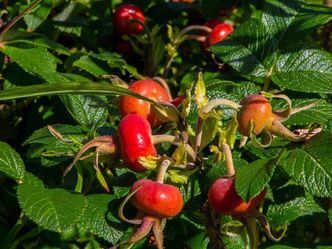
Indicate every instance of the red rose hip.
{"type": "Point", "coordinates": [256, 108]}
{"type": "Point", "coordinates": [223, 198]}
{"type": "Point", "coordinates": [122, 19]}
{"type": "Point", "coordinates": [134, 135]}
{"type": "Point", "coordinates": [157, 199]}
{"type": "Point", "coordinates": [149, 89]}
{"type": "Point", "coordinates": [218, 33]}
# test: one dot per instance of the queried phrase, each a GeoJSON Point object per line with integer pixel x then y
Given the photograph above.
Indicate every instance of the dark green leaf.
{"type": "Point", "coordinates": [53, 209]}
{"type": "Point", "coordinates": [289, 20]}
{"type": "Point", "coordinates": [36, 61]}
{"type": "Point", "coordinates": [287, 212]}
{"type": "Point", "coordinates": [38, 15]}
{"type": "Point", "coordinates": [246, 49]}
{"type": "Point", "coordinates": [251, 179]}
{"type": "Point", "coordinates": [307, 70]}
{"type": "Point", "coordinates": [34, 39]}
{"type": "Point", "coordinates": [198, 241]}
{"type": "Point", "coordinates": [116, 61]}
{"type": "Point", "coordinates": [98, 217]}
{"type": "Point", "coordinates": [88, 111]}
{"type": "Point", "coordinates": [90, 66]}
{"type": "Point", "coordinates": [310, 165]}
{"type": "Point", "coordinates": [10, 162]}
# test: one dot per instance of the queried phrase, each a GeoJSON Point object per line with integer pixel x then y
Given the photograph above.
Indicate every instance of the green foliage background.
{"type": "Point", "coordinates": [59, 66]}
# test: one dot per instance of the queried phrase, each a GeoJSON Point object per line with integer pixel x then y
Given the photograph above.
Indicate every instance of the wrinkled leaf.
{"type": "Point", "coordinates": [10, 162]}
{"type": "Point", "coordinates": [287, 212]}
{"type": "Point", "coordinates": [310, 165]}
{"type": "Point", "coordinates": [251, 179]}
{"type": "Point", "coordinates": [307, 70]}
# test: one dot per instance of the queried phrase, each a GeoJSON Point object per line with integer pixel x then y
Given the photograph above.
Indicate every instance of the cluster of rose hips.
{"type": "Point", "coordinates": [128, 19]}
{"type": "Point", "coordinates": [155, 200]}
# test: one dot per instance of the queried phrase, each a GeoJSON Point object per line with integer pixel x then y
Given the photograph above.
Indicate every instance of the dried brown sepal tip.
{"type": "Point", "coordinates": [256, 117]}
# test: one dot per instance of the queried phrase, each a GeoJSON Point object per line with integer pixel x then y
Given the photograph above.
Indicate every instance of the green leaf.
{"type": "Point", "coordinates": [310, 165]}
{"type": "Point", "coordinates": [36, 17]}
{"type": "Point", "coordinates": [287, 212]}
{"type": "Point", "coordinates": [198, 241]}
{"type": "Point", "coordinates": [43, 135]}
{"type": "Point", "coordinates": [246, 49]}
{"type": "Point", "coordinates": [321, 113]}
{"type": "Point", "coordinates": [88, 111]}
{"type": "Point", "coordinates": [306, 70]}
{"type": "Point", "coordinates": [251, 179]}
{"type": "Point", "coordinates": [116, 61]}
{"type": "Point", "coordinates": [10, 162]}
{"type": "Point", "coordinates": [280, 247]}
{"type": "Point", "coordinates": [98, 217]}
{"type": "Point", "coordinates": [35, 39]}
{"type": "Point", "coordinates": [67, 88]}
{"type": "Point", "coordinates": [289, 20]}
{"type": "Point", "coordinates": [53, 209]}
{"type": "Point", "coordinates": [36, 61]}
{"type": "Point", "coordinates": [87, 64]}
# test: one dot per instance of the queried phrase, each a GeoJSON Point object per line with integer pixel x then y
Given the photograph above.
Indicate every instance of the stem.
{"type": "Point", "coordinates": [145, 27]}
{"type": "Point", "coordinates": [199, 132]}
{"type": "Point", "coordinates": [79, 183]}
{"type": "Point", "coordinates": [229, 159]}
{"type": "Point", "coordinates": [217, 102]}
{"type": "Point", "coordinates": [164, 84]}
{"type": "Point", "coordinates": [188, 29]}
{"type": "Point", "coordinates": [18, 17]}
{"type": "Point", "coordinates": [123, 203]}
{"type": "Point", "coordinates": [162, 170]}
{"type": "Point", "coordinates": [177, 41]}
{"type": "Point", "coordinates": [267, 80]}
{"type": "Point", "coordinates": [15, 230]}
{"type": "Point", "coordinates": [157, 139]}
{"type": "Point", "coordinates": [252, 231]}
{"type": "Point", "coordinates": [199, 38]}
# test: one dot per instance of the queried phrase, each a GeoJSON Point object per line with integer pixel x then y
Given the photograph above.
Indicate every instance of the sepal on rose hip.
{"type": "Point", "coordinates": [155, 201]}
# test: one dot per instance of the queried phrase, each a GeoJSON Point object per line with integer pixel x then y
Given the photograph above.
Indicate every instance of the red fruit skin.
{"type": "Point", "coordinates": [212, 23]}
{"type": "Point", "coordinates": [123, 47]}
{"type": "Point", "coordinates": [223, 198]}
{"type": "Point", "coordinates": [178, 100]}
{"type": "Point", "coordinates": [149, 89]}
{"type": "Point", "coordinates": [218, 33]}
{"type": "Point", "coordinates": [134, 135]}
{"type": "Point", "coordinates": [157, 199]}
{"type": "Point", "coordinates": [257, 108]}
{"type": "Point", "coordinates": [122, 16]}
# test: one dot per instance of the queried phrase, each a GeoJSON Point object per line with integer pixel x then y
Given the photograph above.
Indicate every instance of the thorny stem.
{"type": "Point", "coordinates": [162, 170]}
{"type": "Point", "coordinates": [18, 17]}
{"type": "Point", "coordinates": [229, 159]}
{"type": "Point", "coordinates": [157, 139]}
{"type": "Point", "coordinates": [164, 84]}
